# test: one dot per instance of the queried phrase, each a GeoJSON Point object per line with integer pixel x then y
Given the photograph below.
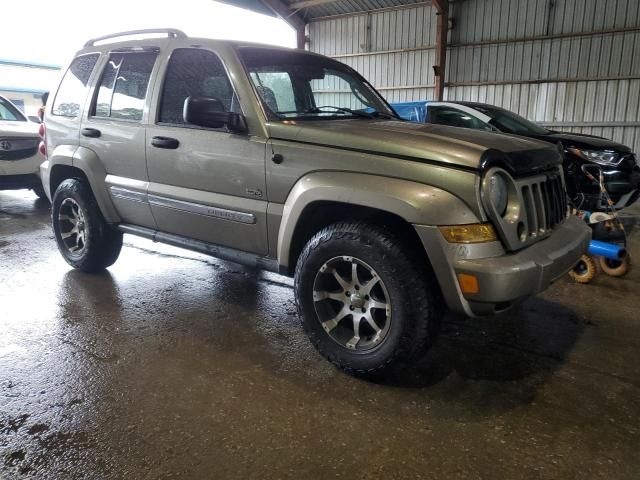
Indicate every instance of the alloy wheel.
{"type": "Point", "coordinates": [72, 226]}
{"type": "Point", "coordinates": [352, 303]}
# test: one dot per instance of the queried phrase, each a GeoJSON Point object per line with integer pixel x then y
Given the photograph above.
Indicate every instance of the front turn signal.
{"type": "Point", "coordinates": [471, 233]}
{"type": "Point", "coordinates": [468, 283]}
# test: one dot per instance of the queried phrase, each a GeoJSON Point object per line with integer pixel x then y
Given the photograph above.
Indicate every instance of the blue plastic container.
{"type": "Point", "coordinates": [607, 250]}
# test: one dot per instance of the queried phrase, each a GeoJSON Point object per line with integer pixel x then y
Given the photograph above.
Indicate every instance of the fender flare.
{"type": "Point", "coordinates": [416, 203]}
{"type": "Point", "coordinates": [86, 160]}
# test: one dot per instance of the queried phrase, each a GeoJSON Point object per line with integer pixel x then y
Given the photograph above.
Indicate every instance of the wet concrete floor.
{"type": "Point", "coordinates": [177, 365]}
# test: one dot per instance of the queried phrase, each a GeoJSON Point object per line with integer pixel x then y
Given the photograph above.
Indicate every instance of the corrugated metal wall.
{"type": "Point", "coordinates": [387, 47]}
{"type": "Point", "coordinates": [569, 64]}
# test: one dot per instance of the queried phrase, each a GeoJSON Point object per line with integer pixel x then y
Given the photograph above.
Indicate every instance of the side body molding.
{"type": "Point", "coordinates": [417, 203]}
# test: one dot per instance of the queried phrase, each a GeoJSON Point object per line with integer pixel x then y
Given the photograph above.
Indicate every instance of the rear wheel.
{"type": "Point", "coordinates": [84, 239]}
{"type": "Point", "coordinates": [366, 303]}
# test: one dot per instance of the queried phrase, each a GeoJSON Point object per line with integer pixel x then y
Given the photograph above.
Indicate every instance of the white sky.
{"type": "Point", "coordinates": [51, 31]}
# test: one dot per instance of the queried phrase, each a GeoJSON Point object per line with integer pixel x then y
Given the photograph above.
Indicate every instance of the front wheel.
{"type": "Point", "coordinates": [366, 303]}
{"type": "Point", "coordinates": [84, 239]}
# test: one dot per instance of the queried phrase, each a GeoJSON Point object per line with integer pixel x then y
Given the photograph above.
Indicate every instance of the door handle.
{"type": "Point", "coordinates": [90, 132]}
{"type": "Point", "coordinates": [165, 142]}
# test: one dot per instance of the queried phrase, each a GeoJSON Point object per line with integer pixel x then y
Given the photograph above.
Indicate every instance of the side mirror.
{"type": "Point", "coordinates": [209, 112]}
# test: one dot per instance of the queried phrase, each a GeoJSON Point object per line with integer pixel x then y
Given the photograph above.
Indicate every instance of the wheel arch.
{"type": "Point", "coordinates": [82, 163]}
{"type": "Point", "coordinates": [385, 201]}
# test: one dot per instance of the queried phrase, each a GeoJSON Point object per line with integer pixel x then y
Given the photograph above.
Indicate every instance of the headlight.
{"type": "Point", "coordinates": [598, 156]}
{"type": "Point", "coordinates": [498, 193]}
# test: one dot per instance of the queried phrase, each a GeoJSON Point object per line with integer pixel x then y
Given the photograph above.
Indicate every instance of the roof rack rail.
{"type": "Point", "coordinates": [171, 32]}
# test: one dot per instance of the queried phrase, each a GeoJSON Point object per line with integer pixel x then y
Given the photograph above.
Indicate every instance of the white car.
{"type": "Point", "coordinates": [19, 157]}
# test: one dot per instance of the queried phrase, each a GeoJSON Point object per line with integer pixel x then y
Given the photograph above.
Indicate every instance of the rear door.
{"type": "Point", "coordinates": [114, 129]}
{"type": "Point", "coordinates": [205, 183]}
{"type": "Point", "coordinates": [67, 103]}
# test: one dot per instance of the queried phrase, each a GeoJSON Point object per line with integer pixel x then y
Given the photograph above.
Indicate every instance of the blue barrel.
{"type": "Point", "coordinates": [607, 250]}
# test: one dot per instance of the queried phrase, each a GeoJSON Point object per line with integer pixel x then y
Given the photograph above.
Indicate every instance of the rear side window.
{"type": "Point", "coordinates": [72, 91]}
{"type": "Point", "coordinates": [9, 112]}
{"type": "Point", "coordinates": [196, 73]}
{"type": "Point", "coordinates": [123, 86]}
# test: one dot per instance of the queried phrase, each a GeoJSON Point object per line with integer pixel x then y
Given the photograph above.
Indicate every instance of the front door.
{"type": "Point", "coordinates": [206, 184]}
{"type": "Point", "coordinates": [115, 131]}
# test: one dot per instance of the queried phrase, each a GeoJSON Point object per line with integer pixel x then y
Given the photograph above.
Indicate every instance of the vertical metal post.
{"type": "Point", "coordinates": [442, 26]}
{"type": "Point", "coordinates": [283, 11]}
{"type": "Point", "coordinates": [301, 37]}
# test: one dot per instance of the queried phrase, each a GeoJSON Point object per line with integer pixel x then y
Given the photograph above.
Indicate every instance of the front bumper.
{"type": "Point", "coordinates": [503, 278]}
{"type": "Point", "coordinates": [622, 185]}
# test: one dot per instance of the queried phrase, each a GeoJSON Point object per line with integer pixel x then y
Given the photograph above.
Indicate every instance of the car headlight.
{"type": "Point", "coordinates": [602, 157]}
{"type": "Point", "coordinates": [498, 192]}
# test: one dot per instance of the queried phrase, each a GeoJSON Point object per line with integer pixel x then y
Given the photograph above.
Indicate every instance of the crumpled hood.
{"type": "Point", "coordinates": [587, 142]}
{"type": "Point", "coordinates": [460, 147]}
{"type": "Point", "coordinates": [18, 129]}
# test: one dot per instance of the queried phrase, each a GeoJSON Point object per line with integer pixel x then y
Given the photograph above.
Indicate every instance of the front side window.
{"type": "Point", "coordinates": [305, 86]}
{"type": "Point", "coordinates": [193, 72]}
{"type": "Point", "coordinates": [10, 113]}
{"type": "Point", "coordinates": [123, 86]}
{"type": "Point", "coordinates": [72, 91]}
{"type": "Point", "coordinates": [276, 88]}
{"type": "Point", "coordinates": [456, 118]}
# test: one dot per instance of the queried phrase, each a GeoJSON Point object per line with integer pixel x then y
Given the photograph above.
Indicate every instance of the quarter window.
{"type": "Point", "coordinates": [196, 73]}
{"type": "Point", "coordinates": [72, 90]}
{"type": "Point", "coordinates": [123, 86]}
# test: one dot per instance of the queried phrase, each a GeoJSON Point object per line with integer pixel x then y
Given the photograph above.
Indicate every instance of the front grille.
{"type": "Point", "coordinates": [544, 201]}
{"type": "Point", "coordinates": [17, 148]}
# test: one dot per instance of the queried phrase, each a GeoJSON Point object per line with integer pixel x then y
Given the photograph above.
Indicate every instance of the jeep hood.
{"type": "Point", "coordinates": [457, 147]}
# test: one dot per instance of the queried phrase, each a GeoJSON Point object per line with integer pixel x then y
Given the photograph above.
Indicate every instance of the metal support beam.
{"type": "Point", "coordinates": [309, 3]}
{"type": "Point", "coordinates": [301, 38]}
{"type": "Point", "coordinates": [283, 11]}
{"type": "Point", "coordinates": [442, 26]}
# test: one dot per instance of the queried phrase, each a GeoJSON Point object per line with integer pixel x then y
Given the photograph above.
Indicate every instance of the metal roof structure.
{"type": "Point", "coordinates": [308, 10]}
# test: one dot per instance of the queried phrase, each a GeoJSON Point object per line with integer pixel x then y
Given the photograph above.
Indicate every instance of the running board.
{"type": "Point", "coordinates": [218, 251]}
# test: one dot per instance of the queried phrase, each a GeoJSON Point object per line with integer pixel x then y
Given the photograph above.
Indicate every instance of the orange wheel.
{"type": "Point", "coordinates": [615, 268]}
{"type": "Point", "coordinates": [584, 270]}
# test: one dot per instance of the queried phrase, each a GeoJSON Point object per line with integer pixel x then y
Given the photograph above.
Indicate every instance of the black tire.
{"type": "Point", "coordinates": [414, 298]}
{"type": "Point", "coordinates": [101, 245]}
{"type": "Point", "coordinates": [39, 191]}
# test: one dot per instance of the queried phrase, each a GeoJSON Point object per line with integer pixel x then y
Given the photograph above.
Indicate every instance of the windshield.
{"type": "Point", "coordinates": [293, 85]}
{"type": "Point", "coordinates": [510, 122]}
{"type": "Point", "coordinates": [9, 112]}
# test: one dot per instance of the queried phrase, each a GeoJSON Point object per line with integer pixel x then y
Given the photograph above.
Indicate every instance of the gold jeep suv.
{"type": "Point", "coordinates": [292, 162]}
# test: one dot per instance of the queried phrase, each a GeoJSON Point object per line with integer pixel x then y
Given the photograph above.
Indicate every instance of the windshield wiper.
{"type": "Point", "coordinates": [388, 116]}
{"type": "Point", "coordinates": [357, 113]}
